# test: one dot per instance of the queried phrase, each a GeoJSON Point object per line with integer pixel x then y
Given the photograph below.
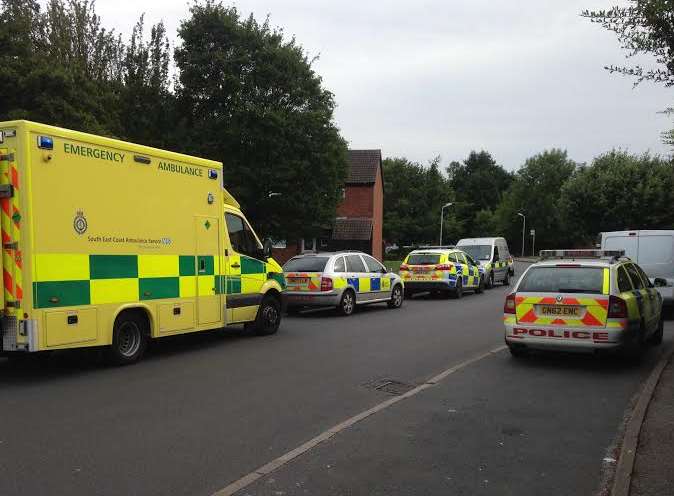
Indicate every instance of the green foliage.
{"type": "Point", "coordinates": [642, 27]}
{"type": "Point", "coordinates": [413, 197]}
{"type": "Point", "coordinates": [478, 183]}
{"type": "Point", "coordinates": [535, 192]}
{"type": "Point", "coordinates": [618, 191]}
{"type": "Point", "coordinates": [252, 99]}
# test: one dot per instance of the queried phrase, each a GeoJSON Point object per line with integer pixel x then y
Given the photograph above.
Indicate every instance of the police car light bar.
{"type": "Point", "coordinates": [581, 254]}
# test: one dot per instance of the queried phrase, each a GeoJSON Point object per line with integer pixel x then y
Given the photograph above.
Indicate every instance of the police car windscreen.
{"type": "Point", "coordinates": [478, 252]}
{"type": "Point", "coordinates": [563, 280]}
{"type": "Point", "coordinates": [306, 264]}
{"type": "Point", "coordinates": [423, 259]}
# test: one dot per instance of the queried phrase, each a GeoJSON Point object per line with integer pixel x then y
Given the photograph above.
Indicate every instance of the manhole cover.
{"type": "Point", "coordinates": [390, 386]}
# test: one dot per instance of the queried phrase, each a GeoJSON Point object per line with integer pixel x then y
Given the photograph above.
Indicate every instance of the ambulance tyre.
{"type": "Point", "coordinates": [268, 317]}
{"type": "Point", "coordinates": [130, 336]}
{"type": "Point", "coordinates": [397, 297]}
{"type": "Point", "coordinates": [506, 278]}
{"type": "Point", "coordinates": [656, 338]}
{"type": "Point", "coordinates": [348, 303]}
{"type": "Point", "coordinates": [458, 291]}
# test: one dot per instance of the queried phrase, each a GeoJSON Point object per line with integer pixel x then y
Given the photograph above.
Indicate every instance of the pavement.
{"type": "Point", "coordinates": [653, 473]}
{"type": "Point", "coordinates": [202, 411]}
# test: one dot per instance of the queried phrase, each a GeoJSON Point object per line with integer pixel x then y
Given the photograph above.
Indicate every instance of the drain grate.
{"type": "Point", "coordinates": [390, 386]}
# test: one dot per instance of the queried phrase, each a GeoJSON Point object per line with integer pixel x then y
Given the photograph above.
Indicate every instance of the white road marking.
{"type": "Point", "coordinates": [282, 460]}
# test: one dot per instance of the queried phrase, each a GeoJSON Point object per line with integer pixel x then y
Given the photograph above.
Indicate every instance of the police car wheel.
{"type": "Point", "coordinates": [129, 338]}
{"type": "Point", "coordinates": [458, 291]}
{"type": "Point", "coordinates": [348, 303]}
{"type": "Point", "coordinates": [656, 338]}
{"type": "Point", "coordinates": [506, 279]}
{"type": "Point", "coordinates": [518, 351]}
{"type": "Point", "coordinates": [397, 297]}
{"type": "Point", "coordinates": [268, 317]}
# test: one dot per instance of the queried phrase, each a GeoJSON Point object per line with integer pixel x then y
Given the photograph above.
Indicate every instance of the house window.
{"type": "Point", "coordinates": [308, 245]}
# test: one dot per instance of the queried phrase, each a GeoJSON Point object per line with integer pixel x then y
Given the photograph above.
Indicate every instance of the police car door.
{"type": "Point", "coordinates": [641, 293]}
{"type": "Point", "coordinates": [474, 268]}
{"type": "Point", "coordinates": [357, 276]}
{"type": "Point", "coordinates": [380, 282]}
{"type": "Point", "coordinates": [654, 299]}
{"type": "Point", "coordinates": [245, 271]}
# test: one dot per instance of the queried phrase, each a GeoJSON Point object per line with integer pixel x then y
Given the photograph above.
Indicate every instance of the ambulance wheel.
{"type": "Point", "coordinates": [480, 287]}
{"type": "Point", "coordinates": [129, 338]}
{"type": "Point", "coordinates": [458, 291]}
{"type": "Point", "coordinates": [348, 303]}
{"type": "Point", "coordinates": [506, 279]}
{"type": "Point", "coordinates": [268, 317]}
{"type": "Point", "coordinates": [656, 338]}
{"type": "Point", "coordinates": [397, 297]}
{"type": "Point", "coordinates": [490, 281]}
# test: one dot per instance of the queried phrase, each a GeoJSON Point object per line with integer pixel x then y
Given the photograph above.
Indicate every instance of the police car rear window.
{"type": "Point", "coordinates": [306, 264]}
{"type": "Point", "coordinates": [423, 259]}
{"type": "Point", "coordinates": [563, 280]}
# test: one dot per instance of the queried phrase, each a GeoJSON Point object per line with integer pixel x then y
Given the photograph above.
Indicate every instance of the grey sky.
{"type": "Point", "coordinates": [443, 77]}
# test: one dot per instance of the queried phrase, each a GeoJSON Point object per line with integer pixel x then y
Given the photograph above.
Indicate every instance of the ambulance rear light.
{"type": "Point", "coordinates": [447, 266]}
{"type": "Point", "coordinates": [326, 284]}
{"type": "Point", "coordinates": [575, 254]}
{"type": "Point", "coordinates": [617, 308]}
{"type": "Point", "coordinates": [509, 306]}
{"type": "Point", "coordinates": [404, 267]}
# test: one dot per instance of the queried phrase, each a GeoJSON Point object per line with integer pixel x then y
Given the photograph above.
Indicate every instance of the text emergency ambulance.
{"type": "Point", "coordinates": [107, 243]}
{"type": "Point", "coordinates": [583, 300]}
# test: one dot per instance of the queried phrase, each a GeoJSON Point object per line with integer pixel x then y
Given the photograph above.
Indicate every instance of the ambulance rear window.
{"type": "Point", "coordinates": [563, 280]}
{"type": "Point", "coordinates": [306, 264]}
{"type": "Point", "coordinates": [423, 259]}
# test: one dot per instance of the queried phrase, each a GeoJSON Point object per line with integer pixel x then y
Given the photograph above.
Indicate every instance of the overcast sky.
{"type": "Point", "coordinates": [443, 77]}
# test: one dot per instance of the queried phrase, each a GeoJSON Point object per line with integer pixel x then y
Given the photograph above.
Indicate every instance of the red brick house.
{"type": "Point", "coordinates": [360, 216]}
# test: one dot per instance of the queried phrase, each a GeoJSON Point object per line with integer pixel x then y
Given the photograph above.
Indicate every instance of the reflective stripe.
{"type": "Point", "coordinates": [605, 288]}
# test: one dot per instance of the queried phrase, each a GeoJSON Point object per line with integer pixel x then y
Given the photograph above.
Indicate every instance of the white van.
{"type": "Point", "coordinates": [493, 256]}
{"type": "Point", "coordinates": [652, 250]}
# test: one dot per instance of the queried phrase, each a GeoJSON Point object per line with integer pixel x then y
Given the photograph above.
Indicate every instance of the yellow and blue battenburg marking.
{"type": "Point", "coordinates": [74, 279]}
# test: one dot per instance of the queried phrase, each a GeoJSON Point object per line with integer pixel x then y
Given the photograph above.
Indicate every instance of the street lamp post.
{"type": "Point", "coordinates": [524, 225]}
{"type": "Point", "coordinates": [442, 218]}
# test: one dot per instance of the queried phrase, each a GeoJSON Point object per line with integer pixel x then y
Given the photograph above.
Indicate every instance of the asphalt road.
{"type": "Point", "coordinates": [202, 411]}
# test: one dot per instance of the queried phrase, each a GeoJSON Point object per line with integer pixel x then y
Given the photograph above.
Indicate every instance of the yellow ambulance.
{"type": "Point", "coordinates": [108, 243]}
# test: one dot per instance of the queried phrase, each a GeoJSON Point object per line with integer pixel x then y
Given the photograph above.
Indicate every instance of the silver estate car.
{"type": "Point", "coordinates": [341, 280]}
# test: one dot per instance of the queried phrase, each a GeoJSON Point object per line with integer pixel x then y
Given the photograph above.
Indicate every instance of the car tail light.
{"type": "Point", "coordinates": [509, 306]}
{"type": "Point", "coordinates": [617, 308]}
{"type": "Point", "coordinates": [326, 284]}
{"type": "Point", "coordinates": [447, 266]}
{"type": "Point", "coordinates": [404, 267]}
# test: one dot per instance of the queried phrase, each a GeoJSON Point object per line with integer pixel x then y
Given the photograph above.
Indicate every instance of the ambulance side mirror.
{"type": "Point", "coordinates": [267, 247]}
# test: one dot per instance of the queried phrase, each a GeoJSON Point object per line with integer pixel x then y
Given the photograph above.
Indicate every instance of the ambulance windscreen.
{"type": "Point", "coordinates": [423, 259]}
{"type": "Point", "coordinates": [306, 264]}
{"type": "Point", "coordinates": [478, 252]}
{"type": "Point", "coordinates": [563, 280]}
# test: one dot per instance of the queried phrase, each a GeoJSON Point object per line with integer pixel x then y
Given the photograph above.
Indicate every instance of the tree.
{"type": "Point", "coordinates": [618, 191]}
{"type": "Point", "coordinates": [478, 183]}
{"type": "Point", "coordinates": [535, 191]}
{"type": "Point", "coordinates": [251, 99]}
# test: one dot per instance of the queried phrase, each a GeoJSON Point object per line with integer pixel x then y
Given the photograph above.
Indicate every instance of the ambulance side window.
{"type": "Point", "coordinates": [240, 235]}
{"type": "Point", "coordinates": [624, 283]}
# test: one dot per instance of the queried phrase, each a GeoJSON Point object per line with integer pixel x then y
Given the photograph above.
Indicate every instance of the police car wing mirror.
{"type": "Point", "coordinates": [267, 247]}
{"type": "Point", "coordinates": [660, 282]}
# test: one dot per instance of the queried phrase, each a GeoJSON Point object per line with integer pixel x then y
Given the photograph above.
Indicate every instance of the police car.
{"type": "Point", "coordinates": [442, 269]}
{"type": "Point", "coordinates": [583, 300]}
{"type": "Point", "coordinates": [342, 280]}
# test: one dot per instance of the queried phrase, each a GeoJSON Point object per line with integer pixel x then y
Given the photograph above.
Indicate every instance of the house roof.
{"type": "Point", "coordinates": [355, 228]}
{"type": "Point", "coordinates": [363, 166]}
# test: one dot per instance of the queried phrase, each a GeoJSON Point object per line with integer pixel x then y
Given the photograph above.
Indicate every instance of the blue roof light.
{"type": "Point", "coordinates": [45, 142]}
